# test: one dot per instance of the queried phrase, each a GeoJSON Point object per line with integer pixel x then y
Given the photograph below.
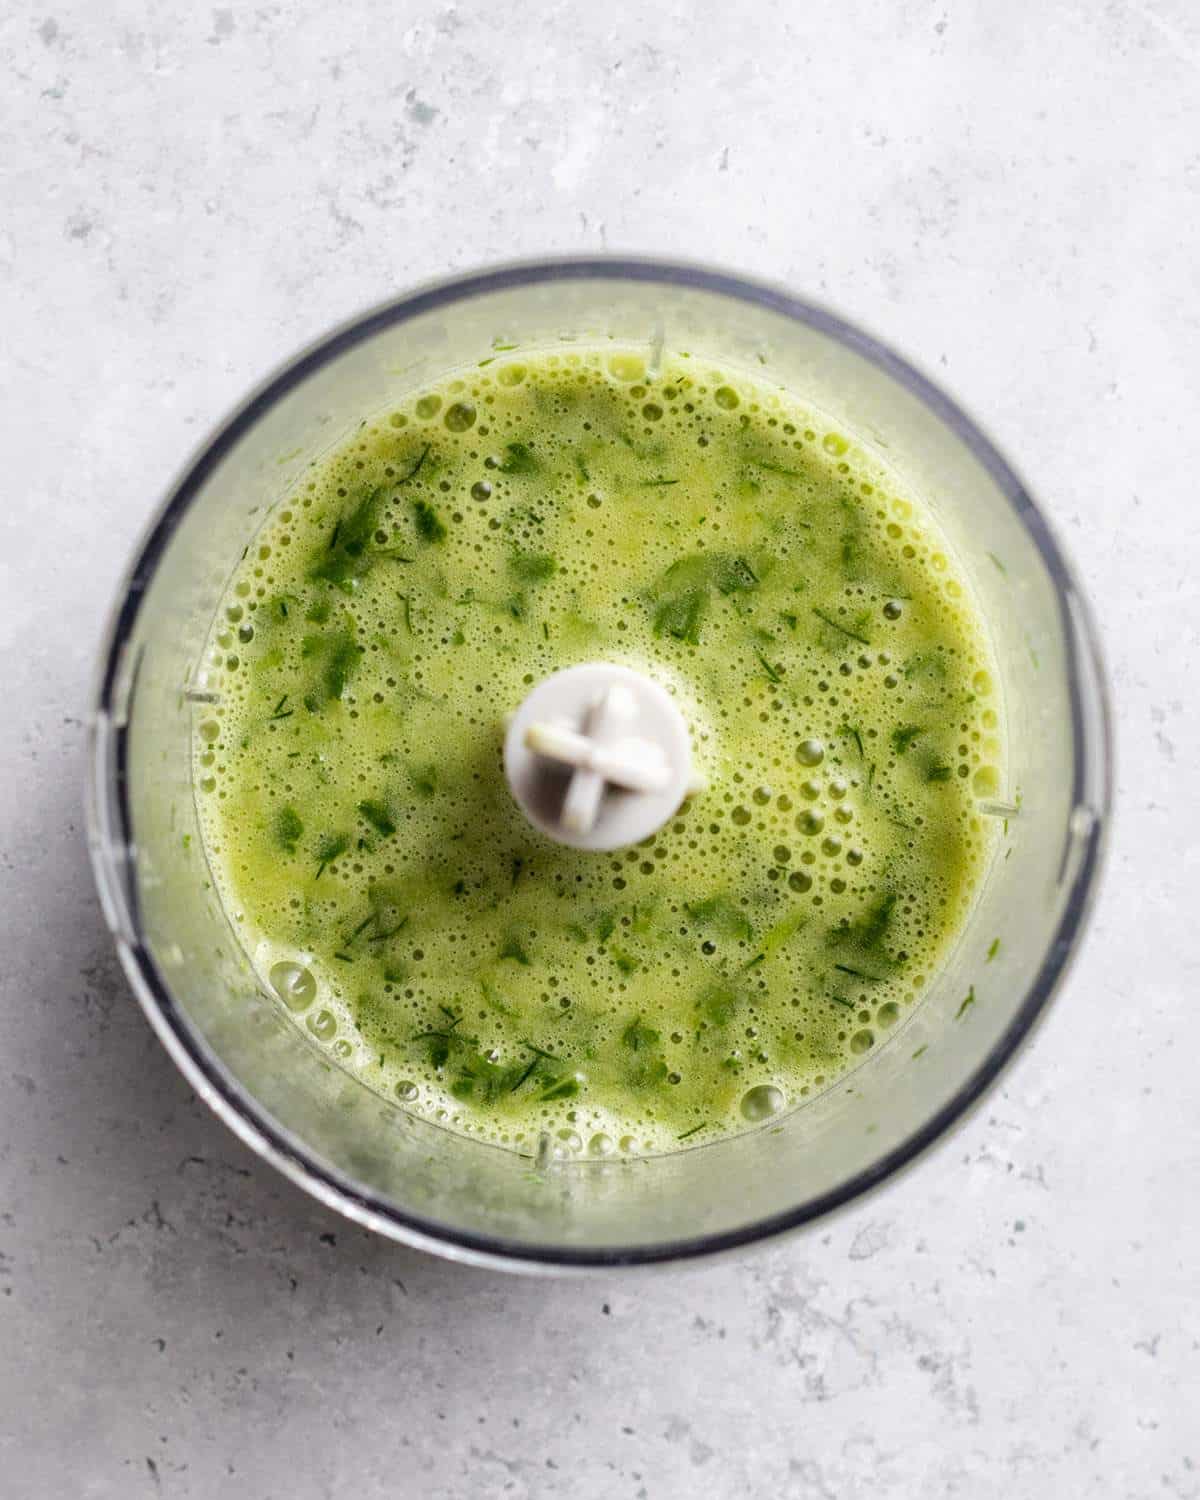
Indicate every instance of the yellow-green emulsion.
{"type": "Point", "coordinates": [537, 512]}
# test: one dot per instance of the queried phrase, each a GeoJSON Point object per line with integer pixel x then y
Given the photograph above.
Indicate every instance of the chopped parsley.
{"type": "Point", "coordinates": [288, 829]}
{"type": "Point", "coordinates": [380, 819]}
{"type": "Point", "coordinates": [903, 736]}
{"type": "Point", "coordinates": [637, 1036]}
{"type": "Point", "coordinates": [430, 526]}
{"type": "Point", "coordinates": [532, 567]}
{"type": "Point", "coordinates": [519, 458]}
{"type": "Point", "coordinates": [512, 947]}
{"type": "Point", "coordinates": [329, 847]}
{"type": "Point", "coordinates": [681, 597]}
{"type": "Point", "coordinates": [721, 915]}
{"type": "Point", "coordinates": [349, 554]}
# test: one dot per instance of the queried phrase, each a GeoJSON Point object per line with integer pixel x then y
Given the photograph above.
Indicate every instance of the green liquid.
{"type": "Point", "coordinates": [521, 518]}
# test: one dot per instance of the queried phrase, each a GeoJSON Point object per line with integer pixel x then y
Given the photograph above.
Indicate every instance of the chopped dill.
{"type": "Point", "coordinates": [845, 630]}
{"type": "Point", "coordinates": [416, 468]}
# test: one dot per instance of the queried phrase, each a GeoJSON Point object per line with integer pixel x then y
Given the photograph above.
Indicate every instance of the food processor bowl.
{"type": "Point", "coordinates": [406, 1176]}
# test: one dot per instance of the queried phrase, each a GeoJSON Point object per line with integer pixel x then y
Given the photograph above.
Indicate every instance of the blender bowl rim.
{"type": "Point", "coordinates": [110, 823]}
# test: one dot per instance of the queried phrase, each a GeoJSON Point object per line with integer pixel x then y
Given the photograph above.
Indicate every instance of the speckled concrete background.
{"type": "Point", "coordinates": [1009, 192]}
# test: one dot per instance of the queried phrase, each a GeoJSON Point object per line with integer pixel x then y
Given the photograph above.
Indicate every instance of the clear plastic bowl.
{"type": "Point", "coordinates": [406, 1177]}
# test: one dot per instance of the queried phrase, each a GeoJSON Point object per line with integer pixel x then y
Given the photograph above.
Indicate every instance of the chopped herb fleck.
{"type": "Point", "coordinates": [681, 615]}
{"type": "Point", "coordinates": [562, 1088]}
{"type": "Point", "coordinates": [380, 819]}
{"type": "Point", "coordinates": [360, 929]}
{"type": "Point", "coordinates": [388, 933]}
{"type": "Point", "coordinates": [430, 526]}
{"type": "Point", "coordinates": [532, 567]}
{"type": "Point", "coordinates": [859, 973]}
{"type": "Point", "coordinates": [329, 848]}
{"type": "Point", "coordinates": [336, 654]}
{"type": "Point", "coordinates": [861, 946]}
{"type": "Point", "coordinates": [718, 1003]}
{"type": "Point", "coordinates": [519, 458]}
{"type": "Point", "coordinates": [903, 737]}
{"type": "Point", "coordinates": [288, 829]}
{"type": "Point", "coordinates": [525, 1074]}
{"type": "Point", "coordinates": [423, 780]}
{"type": "Point", "coordinates": [681, 596]}
{"type": "Point", "coordinates": [416, 468]}
{"type": "Point", "coordinates": [773, 468]}
{"type": "Point", "coordinates": [733, 575]}
{"type": "Point", "coordinates": [637, 1036]}
{"type": "Point", "coordinates": [845, 630]}
{"type": "Point", "coordinates": [719, 913]}
{"type": "Point", "coordinates": [347, 558]}
{"type": "Point", "coordinates": [513, 948]}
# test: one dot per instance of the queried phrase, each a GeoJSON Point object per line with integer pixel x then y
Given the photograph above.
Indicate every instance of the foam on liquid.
{"type": "Point", "coordinates": [522, 517]}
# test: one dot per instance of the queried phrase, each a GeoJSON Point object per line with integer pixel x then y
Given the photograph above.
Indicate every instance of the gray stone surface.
{"type": "Point", "coordinates": [1009, 192]}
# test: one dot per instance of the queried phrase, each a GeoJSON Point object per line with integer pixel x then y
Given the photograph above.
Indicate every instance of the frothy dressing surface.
{"type": "Point", "coordinates": [527, 515]}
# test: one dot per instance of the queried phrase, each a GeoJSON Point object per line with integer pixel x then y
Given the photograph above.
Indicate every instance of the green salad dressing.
{"type": "Point", "coordinates": [529, 515]}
